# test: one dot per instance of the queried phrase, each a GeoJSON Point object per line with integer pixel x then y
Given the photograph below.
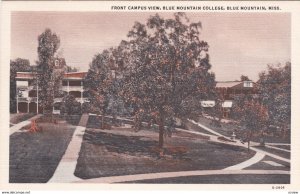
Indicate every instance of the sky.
{"type": "Point", "coordinates": [239, 43]}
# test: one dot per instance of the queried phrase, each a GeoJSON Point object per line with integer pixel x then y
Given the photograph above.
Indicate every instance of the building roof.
{"type": "Point", "coordinates": [71, 75]}
{"type": "Point", "coordinates": [228, 84]}
{"type": "Point", "coordinates": [25, 75]}
{"type": "Point", "coordinates": [75, 75]}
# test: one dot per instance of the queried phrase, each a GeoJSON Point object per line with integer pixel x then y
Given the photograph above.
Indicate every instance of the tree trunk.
{"type": "Point", "coordinates": [248, 145]}
{"type": "Point", "coordinates": [161, 134]}
{"type": "Point", "coordinates": [102, 121]}
{"type": "Point", "coordinates": [262, 138]}
{"type": "Point", "coordinates": [249, 139]}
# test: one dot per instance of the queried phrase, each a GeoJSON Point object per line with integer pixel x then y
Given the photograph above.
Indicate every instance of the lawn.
{"type": "Point", "coordinates": [287, 147]}
{"type": "Point", "coordinates": [19, 117]}
{"type": "Point", "coordinates": [35, 156]}
{"type": "Point", "coordinates": [261, 165]}
{"type": "Point", "coordinates": [274, 151]}
{"type": "Point", "coordinates": [121, 151]}
{"type": "Point", "coordinates": [226, 129]}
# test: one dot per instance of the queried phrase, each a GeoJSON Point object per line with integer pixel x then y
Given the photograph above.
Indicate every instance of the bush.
{"type": "Point", "coordinates": [70, 106]}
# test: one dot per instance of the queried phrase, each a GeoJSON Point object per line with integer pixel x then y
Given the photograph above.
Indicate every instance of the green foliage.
{"type": "Point", "coordinates": [49, 79]}
{"type": "Point", "coordinates": [167, 72]}
{"type": "Point", "coordinates": [97, 83]}
{"type": "Point", "coordinates": [71, 69]}
{"type": "Point", "coordinates": [274, 87]}
{"type": "Point", "coordinates": [244, 78]}
{"type": "Point", "coordinates": [253, 117]}
{"type": "Point", "coordinates": [70, 106]}
{"type": "Point", "coordinates": [17, 65]}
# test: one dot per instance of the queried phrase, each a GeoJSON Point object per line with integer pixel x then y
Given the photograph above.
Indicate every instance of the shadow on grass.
{"type": "Point", "coordinates": [106, 154]}
{"type": "Point", "coordinates": [132, 145]}
{"type": "Point", "coordinates": [95, 122]}
{"type": "Point", "coordinates": [57, 119]}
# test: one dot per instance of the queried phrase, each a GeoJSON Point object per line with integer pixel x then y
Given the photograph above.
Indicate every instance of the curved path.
{"type": "Point", "coordinates": [256, 158]}
{"type": "Point", "coordinates": [137, 177]}
{"type": "Point", "coordinates": [240, 144]}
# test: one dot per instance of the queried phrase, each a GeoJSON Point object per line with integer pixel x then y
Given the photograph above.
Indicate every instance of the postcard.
{"type": "Point", "coordinates": [116, 94]}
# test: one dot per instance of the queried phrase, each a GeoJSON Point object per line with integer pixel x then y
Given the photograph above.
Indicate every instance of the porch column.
{"type": "Point", "coordinates": [37, 99]}
{"type": "Point", "coordinates": [17, 97]}
{"type": "Point", "coordinates": [81, 100]}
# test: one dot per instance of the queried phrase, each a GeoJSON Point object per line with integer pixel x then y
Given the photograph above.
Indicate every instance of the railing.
{"type": "Point", "coordinates": [32, 99]}
{"type": "Point", "coordinates": [72, 88]}
{"type": "Point", "coordinates": [23, 87]}
{"type": "Point", "coordinates": [82, 100]}
{"type": "Point", "coordinates": [22, 99]}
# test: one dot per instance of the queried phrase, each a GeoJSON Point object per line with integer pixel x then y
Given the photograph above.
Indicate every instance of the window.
{"type": "Point", "coordinates": [248, 84]}
{"type": "Point", "coordinates": [75, 83]}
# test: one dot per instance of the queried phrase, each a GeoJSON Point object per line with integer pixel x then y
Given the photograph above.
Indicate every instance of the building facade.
{"type": "Point", "coordinates": [27, 98]}
{"type": "Point", "coordinates": [229, 90]}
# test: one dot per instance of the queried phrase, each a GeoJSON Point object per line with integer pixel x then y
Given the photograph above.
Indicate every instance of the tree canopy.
{"type": "Point", "coordinates": [167, 72]}
{"type": "Point", "coordinates": [274, 87]}
{"type": "Point", "coordinates": [48, 78]}
{"type": "Point", "coordinates": [17, 65]}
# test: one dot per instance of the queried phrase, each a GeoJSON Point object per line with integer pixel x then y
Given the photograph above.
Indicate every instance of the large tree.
{"type": "Point", "coordinates": [48, 77]}
{"type": "Point", "coordinates": [167, 71]}
{"type": "Point", "coordinates": [98, 84]}
{"type": "Point", "coordinates": [22, 65]}
{"type": "Point", "coordinates": [274, 88]}
{"type": "Point", "coordinates": [253, 117]}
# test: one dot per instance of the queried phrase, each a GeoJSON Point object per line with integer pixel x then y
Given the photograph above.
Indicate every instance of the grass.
{"type": "Point", "coordinates": [261, 165]}
{"type": "Point", "coordinates": [223, 179]}
{"type": "Point", "coordinates": [287, 147]}
{"type": "Point", "coordinates": [227, 129]}
{"type": "Point", "coordinates": [35, 156]}
{"type": "Point", "coordinates": [17, 118]}
{"type": "Point", "coordinates": [118, 152]}
{"type": "Point", "coordinates": [95, 122]}
{"type": "Point", "coordinates": [274, 151]}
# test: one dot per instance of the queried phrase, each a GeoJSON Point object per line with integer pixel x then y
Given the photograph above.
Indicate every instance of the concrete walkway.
{"type": "Point", "coordinates": [206, 128]}
{"type": "Point", "coordinates": [137, 177]}
{"type": "Point", "coordinates": [276, 148]}
{"type": "Point", "coordinates": [271, 155]}
{"type": "Point", "coordinates": [240, 144]}
{"type": "Point", "coordinates": [256, 158]}
{"type": "Point", "coordinates": [18, 126]}
{"type": "Point", "coordinates": [278, 144]}
{"type": "Point", "coordinates": [64, 172]}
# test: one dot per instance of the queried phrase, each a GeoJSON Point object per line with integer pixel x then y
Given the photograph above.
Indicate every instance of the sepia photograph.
{"type": "Point", "coordinates": [150, 97]}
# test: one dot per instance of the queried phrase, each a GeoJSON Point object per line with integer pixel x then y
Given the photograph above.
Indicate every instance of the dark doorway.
{"type": "Point", "coordinates": [23, 107]}
{"type": "Point", "coordinates": [32, 107]}
{"type": "Point", "coordinates": [76, 94]}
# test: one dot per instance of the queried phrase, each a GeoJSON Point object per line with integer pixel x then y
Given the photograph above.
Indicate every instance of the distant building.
{"type": "Point", "coordinates": [229, 90]}
{"type": "Point", "coordinates": [28, 92]}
